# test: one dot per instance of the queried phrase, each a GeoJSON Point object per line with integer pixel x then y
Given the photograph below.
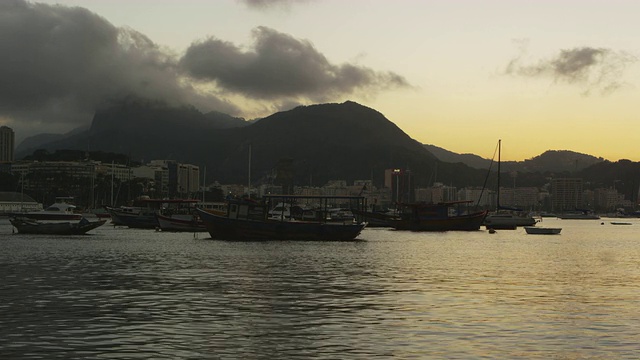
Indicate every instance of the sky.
{"type": "Point", "coordinates": [459, 74]}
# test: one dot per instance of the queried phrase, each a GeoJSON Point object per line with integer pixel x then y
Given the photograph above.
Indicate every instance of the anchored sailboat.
{"type": "Point", "coordinates": [507, 218]}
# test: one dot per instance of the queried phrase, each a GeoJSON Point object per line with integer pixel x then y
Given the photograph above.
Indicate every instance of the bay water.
{"type": "Point", "coordinates": [120, 293]}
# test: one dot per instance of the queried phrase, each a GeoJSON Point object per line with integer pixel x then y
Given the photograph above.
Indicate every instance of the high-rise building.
{"type": "Point", "coordinates": [7, 138]}
{"type": "Point", "coordinates": [566, 194]}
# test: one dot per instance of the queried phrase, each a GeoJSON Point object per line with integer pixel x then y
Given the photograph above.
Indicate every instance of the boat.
{"type": "Point", "coordinates": [61, 209]}
{"type": "Point", "coordinates": [506, 218]}
{"type": "Point", "coordinates": [143, 214]}
{"type": "Point", "coordinates": [579, 214]}
{"type": "Point", "coordinates": [507, 221]}
{"type": "Point", "coordinates": [437, 217]}
{"type": "Point", "coordinates": [377, 218]}
{"type": "Point", "coordinates": [620, 223]}
{"type": "Point", "coordinates": [132, 216]}
{"type": "Point", "coordinates": [32, 226]}
{"type": "Point", "coordinates": [535, 230]}
{"type": "Point", "coordinates": [248, 219]}
{"type": "Point", "coordinates": [180, 223]}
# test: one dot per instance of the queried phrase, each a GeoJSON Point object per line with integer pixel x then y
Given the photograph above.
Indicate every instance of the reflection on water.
{"type": "Point", "coordinates": [124, 293]}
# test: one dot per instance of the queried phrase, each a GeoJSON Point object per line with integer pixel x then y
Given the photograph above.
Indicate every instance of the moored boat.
{"type": "Point", "coordinates": [535, 230]}
{"type": "Point", "coordinates": [32, 226]}
{"type": "Point", "coordinates": [59, 210]}
{"type": "Point", "coordinates": [506, 218]}
{"type": "Point", "coordinates": [180, 223]}
{"type": "Point", "coordinates": [507, 221]}
{"type": "Point", "coordinates": [249, 220]}
{"type": "Point", "coordinates": [579, 215]}
{"type": "Point", "coordinates": [143, 215]}
{"type": "Point", "coordinates": [437, 217]}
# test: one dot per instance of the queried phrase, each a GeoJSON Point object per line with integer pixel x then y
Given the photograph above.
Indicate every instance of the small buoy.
{"type": "Point", "coordinates": [492, 231]}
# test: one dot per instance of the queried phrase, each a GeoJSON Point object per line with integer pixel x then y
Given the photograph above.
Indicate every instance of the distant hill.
{"type": "Point", "coordinates": [329, 141]}
{"type": "Point", "coordinates": [345, 141]}
{"type": "Point", "coordinates": [32, 143]}
{"type": "Point", "coordinates": [135, 127]}
{"type": "Point", "coordinates": [549, 161]}
{"type": "Point", "coordinates": [472, 160]}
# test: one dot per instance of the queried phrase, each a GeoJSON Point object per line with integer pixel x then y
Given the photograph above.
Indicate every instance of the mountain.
{"type": "Point", "coordinates": [319, 143]}
{"type": "Point", "coordinates": [32, 143]}
{"type": "Point", "coordinates": [549, 161]}
{"type": "Point", "coordinates": [471, 160]}
{"type": "Point", "coordinates": [322, 142]}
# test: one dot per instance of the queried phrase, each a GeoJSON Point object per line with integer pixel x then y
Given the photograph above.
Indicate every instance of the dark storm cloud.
{"type": "Point", "coordinates": [592, 68]}
{"type": "Point", "coordinates": [279, 66]}
{"type": "Point", "coordinates": [59, 63]}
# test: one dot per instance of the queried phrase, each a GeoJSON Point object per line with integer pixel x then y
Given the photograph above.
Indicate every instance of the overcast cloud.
{"type": "Point", "coordinates": [59, 64]}
{"type": "Point", "coordinates": [590, 68]}
{"type": "Point", "coordinates": [280, 66]}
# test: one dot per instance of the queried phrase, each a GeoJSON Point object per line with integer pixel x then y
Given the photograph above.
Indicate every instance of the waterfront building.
{"type": "Point", "coordinates": [11, 202]}
{"type": "Point", "coordinates": [566, 194]}
{"type": "Point", "coordinates": [482, 197]}
{"type": "Point", "coordinates": [7, 144]}
{"type": "Point", "coordinates": [401, 185]}
{"type": "Point", "coordinates": [436, 194]}
{"type": "Point", "coordinates": [608, 199]}
{"type": "Point", "coordinates": [179, 180]}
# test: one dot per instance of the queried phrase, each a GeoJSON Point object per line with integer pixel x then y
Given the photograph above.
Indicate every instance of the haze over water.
{"type": "Point", "coordinates": [125, 293]}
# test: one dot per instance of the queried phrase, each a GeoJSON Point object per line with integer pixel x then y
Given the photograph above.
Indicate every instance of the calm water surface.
{"type": "Point", "coordinates": [137, 294]}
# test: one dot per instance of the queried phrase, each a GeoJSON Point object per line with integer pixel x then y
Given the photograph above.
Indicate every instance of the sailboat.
{"type": "Point", "coordinates": [506, 218]}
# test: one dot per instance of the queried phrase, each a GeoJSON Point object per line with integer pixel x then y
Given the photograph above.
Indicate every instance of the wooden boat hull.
{"type": "Point", "coordinates": [470, 222]}
{"type": "Point", "coordinates": [507, 222]}
{"type": "Point", "coordinates": [225, 228]}
{"type": "Point", "coordinates": [375, 219]}
{"type": "Point", "coordinates": [143, 220]}
{"type": "Point", "coordinates": [26, 226]}
{"type": "Point", "coordinates": [180, 223]}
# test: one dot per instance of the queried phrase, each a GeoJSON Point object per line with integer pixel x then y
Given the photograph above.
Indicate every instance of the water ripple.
{"type": "Point", "coordinates": [134, 294]}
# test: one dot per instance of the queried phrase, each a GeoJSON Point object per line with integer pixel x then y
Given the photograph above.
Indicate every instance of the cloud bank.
{"type": "Point", "coordinates": [59, 64]}
{"type": "Point", "coordinates": [280, 66]}
{"type": "Point", "coordinates": [597, 69]}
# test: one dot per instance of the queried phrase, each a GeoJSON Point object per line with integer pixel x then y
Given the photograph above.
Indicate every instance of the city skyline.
{"type": "Point", "coordinates": [459, 75]}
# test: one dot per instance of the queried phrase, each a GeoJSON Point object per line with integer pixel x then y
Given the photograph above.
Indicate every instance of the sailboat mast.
{"type": "Point", "coordinates": [204, 184]}
{"type": "Point", "coordinates": [498, 195]}
{"type": "Point", "coordinates": [249, 178]}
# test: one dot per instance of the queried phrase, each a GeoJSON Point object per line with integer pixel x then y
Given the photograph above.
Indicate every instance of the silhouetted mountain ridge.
{"type": "Point", "coordinates": [549, 161]}
{"type": "Point", "coordinates": [323, 142]}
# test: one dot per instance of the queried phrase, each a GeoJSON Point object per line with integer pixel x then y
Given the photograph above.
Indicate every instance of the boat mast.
{"type": "Point", "coordinates": [249, 178]}
{"type": "Point", "coordinates": [498, 195]}
{"type": "Point", "coordinates": [113, 170]}
{"type": "Point", "coordinates": [204, 184]}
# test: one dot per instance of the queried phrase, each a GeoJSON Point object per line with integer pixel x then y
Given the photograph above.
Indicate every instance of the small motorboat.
{"type": "Point", "coordinates": [542, 230]}
{"type": "Point", "coordinates": [32, 226]}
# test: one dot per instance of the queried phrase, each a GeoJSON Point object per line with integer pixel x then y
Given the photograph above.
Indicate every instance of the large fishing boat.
{"type": "Point", "coordinates": [445, 216]}
{"type": "Point", "coordinates": [248, 219]}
